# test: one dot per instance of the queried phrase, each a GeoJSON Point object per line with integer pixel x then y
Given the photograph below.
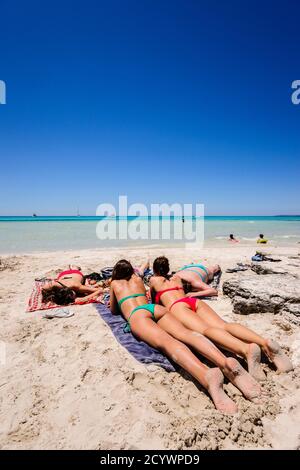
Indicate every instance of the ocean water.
{"type": "Point", "coordinates": [29, 234]}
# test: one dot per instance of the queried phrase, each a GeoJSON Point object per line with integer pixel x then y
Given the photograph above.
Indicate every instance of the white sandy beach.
{"type": "Point", "coordinates": [68, 384]}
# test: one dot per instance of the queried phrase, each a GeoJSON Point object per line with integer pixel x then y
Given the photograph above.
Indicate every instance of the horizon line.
{"type": "Point", "coordinates": [159, 215]}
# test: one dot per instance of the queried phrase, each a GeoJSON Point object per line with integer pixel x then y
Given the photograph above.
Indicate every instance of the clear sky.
{"type": "Point", "coordinates": [163, 101]}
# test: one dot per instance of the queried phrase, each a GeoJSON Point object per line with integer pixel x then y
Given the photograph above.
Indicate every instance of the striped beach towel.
{"type": "Point", "coordinates": [35, 301]}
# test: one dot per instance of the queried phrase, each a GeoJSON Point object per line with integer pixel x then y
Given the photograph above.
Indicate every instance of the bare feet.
{"type": "Point", "coordinates": [277, 356]}
{"type": "Point", "coordinates": [253, 361]}
{"type": "Point", "coordinates": [222, 402]}
{"type": "Point", "coordinates": [72, 266]}
{"type": "Point", "coordinates": [242, 379]}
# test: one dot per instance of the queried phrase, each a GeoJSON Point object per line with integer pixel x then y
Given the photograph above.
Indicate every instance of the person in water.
{"type": "Point", "coordinates": [196, 315]}
{"type": "Point", "coordinates": [197, 278]}
{"type": "Point", "coordinates": [69, 287]}
{"type": "Point", "coordinates": [232, 239]}
{"type": "Point", "coordinates": [262, 239]}
{"type": "Point", "coordinates": [155, 325]}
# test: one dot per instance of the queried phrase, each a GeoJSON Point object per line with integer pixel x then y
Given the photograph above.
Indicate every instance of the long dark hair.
{"type": "Point", "coordinates": [187, 286]}
{"type": "Point", "coordinates": [122, 270]}
{"type": "Point", "coordinates": [161, 266]}
{"type": "Point", "coordinates": [58, 295]}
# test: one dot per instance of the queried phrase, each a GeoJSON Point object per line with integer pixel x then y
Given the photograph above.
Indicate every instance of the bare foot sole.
{"type": "Point", "coordinates": [242, 379]}
{"type": "Point", "coordinates": [253, 361]}
{"type": "Point", "coordinates": [277, 356]}
{"type": "Point", "coordinates": [222, 402]}
{"type": "Point", "coordinates": [72, 266]}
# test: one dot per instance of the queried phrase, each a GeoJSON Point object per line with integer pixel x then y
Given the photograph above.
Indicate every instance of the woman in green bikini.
{"type": "Point", "coordinates": [156, 326]}
{"type": "Point", "coordinates": [198, 277]}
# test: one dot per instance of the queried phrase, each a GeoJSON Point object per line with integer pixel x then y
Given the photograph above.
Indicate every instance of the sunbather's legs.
{"type": "Point", "coordinates": [229, 366]}
{"type": "Point", "coordinates": [209, 316]}
{"type": "Point", "coordinates": [220, 336]}
{"type": "Point", "coordinates": [210, 379]}
{"type": "Point", "coordinates": [141, 269]}
{"type": "Point", "coordinates": [250, 338]}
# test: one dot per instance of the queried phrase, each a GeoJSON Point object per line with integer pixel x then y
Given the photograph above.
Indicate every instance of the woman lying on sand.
{"type": "Point", "coordinates": [198, 276]}
{"type": "Point", "coordinates": [198, 316]}
{"type": "Point", "coordinates": [157, 327]}
{"type": "Point", "coordinates": [68, 288]}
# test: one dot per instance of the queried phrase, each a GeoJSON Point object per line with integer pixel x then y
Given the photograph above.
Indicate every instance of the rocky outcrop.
{"type": "Point", "coordinates": [268, 268]}
{"type": "Point", "coordinates": [267, 293]}
{"type": "Point", "coordinates": [275, 268]}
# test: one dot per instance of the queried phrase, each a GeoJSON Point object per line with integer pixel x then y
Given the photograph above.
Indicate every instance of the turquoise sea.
{"type": "Point", "coordinates": [22, 234]}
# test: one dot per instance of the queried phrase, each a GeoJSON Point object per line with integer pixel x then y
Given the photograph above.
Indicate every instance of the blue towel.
{"type": "Point", "coordinates": [141, 351]}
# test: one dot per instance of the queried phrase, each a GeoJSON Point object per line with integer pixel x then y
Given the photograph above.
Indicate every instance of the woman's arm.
{"type": "Point", "coordinates": [210, 292]}
{"type": "Point", "coordinates": [153, 288]}
{"type": "Point", "coordinates": [88, 289]}
{"type": "Point", "coordinates": [86, 298]}
{"type": "Point", "coordinates": [202, 290]}
{"type": "Point", "coordinates": [113, 303]}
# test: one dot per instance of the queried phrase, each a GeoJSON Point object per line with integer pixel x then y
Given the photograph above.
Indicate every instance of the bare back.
{"type": "Point", "coordinates": [122, 288]}
{"type": "Point", "coordinates": [74, 281]}
{"type": "Point", "coordinates": [159, 283]}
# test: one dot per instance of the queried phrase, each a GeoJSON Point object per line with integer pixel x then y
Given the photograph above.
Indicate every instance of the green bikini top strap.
{"type": "Point", "coordinates": [130, 297]}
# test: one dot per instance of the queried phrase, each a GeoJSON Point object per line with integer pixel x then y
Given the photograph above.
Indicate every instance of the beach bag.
{"type": "Point", "coordinates": [257, 257]}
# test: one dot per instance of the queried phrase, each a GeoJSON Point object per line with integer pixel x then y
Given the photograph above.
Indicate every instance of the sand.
{"type": "Point", "coordinates": [68, 384]}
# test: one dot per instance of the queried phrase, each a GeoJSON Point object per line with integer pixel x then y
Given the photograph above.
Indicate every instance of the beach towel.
{"type": "Point", "coordinates": [141, 351]}
{"type": "Point", "coordinates": [35, 301]}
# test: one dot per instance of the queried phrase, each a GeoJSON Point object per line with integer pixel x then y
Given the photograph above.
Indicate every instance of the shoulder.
{"type": "Point", "coordinates": [176, 278]}
{"type": "Point", "coordinates": [136, 279]}
{"type": "Point", "coordinates": [154, 280]}
{"type": "Point", "coordinates": [113, 284]}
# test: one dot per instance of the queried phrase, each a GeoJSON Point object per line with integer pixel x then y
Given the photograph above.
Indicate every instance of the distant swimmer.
{"type": "Point", "coordinates": [232, 239]}
{"type": "Point", "coordinates": [262, 239]}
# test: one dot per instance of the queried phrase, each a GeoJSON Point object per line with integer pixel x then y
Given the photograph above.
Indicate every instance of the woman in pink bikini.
{"type": "Point", "coordinates": [199, 317]}
{"type": "Point", "coordinates": [68, 288]}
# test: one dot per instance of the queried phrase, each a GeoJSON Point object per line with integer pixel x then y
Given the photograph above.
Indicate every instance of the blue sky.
{"type": "Point", "coordinates": [163, 101]}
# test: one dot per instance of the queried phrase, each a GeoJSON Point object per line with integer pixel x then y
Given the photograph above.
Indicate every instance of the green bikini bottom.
{"type": "Point", "coordinates": [149, 307]}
